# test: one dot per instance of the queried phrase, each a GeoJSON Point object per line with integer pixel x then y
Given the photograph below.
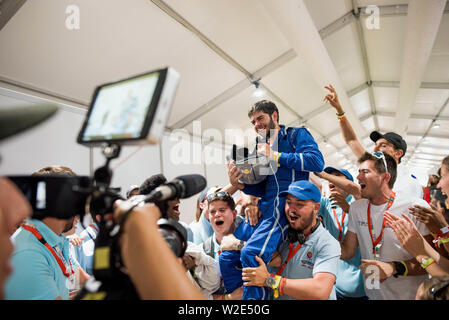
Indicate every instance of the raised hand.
{"type": "Point", "coordinates": [234, 175]}
{"type": "Point", "coordinates": [332, 98]}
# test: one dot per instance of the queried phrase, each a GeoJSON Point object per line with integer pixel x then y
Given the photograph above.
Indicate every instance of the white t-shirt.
{"type": "Point", "coordinates": [405, 183]}
{"type": "Point", "coordinates": [401, 288]}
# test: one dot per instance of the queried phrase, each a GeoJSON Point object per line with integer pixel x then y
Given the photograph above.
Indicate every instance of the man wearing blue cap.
{"type": "Point", "coordinates": [308, 258]}
{"type": "Point", "coordinates": [334, 212]}
{"type": "Point", "coordinates": [295, 154]}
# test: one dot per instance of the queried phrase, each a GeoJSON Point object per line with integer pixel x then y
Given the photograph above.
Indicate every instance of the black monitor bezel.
{"type": "Point", "coordinates": [149, 117]}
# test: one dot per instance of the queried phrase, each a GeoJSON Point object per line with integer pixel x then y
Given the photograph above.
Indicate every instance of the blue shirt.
{"type": "Point", "coordinates": [299, 156]}
{"type": "Point", "coordinates": [36, 273]}
{"type": "Point", "coordinates": [349, 278]}
{"type": "Point", "coordinates": [201, 230]}
{"type": "Point", "coordinates": [320, 253]}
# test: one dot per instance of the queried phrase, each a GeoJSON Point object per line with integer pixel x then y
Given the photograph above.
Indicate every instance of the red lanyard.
{"type": "Point", "coordinates": [291, 254]}
{"type": "Point", "coordinates": [340, 225]}
{"type": "Point", "coordinates": [55, 255]}
{"type": "Point", "coordinates": [376, 242]}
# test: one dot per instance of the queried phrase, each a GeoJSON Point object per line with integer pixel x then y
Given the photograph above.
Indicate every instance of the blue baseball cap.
{"type": "Point", "coordinates": [303, 190]}
{"type": "Point", "coordinates": [342, 171]}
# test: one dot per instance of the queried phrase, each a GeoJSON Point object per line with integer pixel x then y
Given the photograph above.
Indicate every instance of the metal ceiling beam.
{"type": "Point", "coordinates": [236, 89]}
{"type": "Point", "coordinates": [8, 8]}
{"type": "Point", "coordinates": [366, 67]}
{"type": "Point", "coordinates": [294, 21]}
{"type": "Point", "coordinates": [412, 116]}
{"type": "Point", "coordinates": [424, 85]}
{"type": "Point", "coordinates": [176, 16]}
{"type": "Point", "coordinates": [432, 146]}
{"type": "Point", "coordinates": [422, 24]}
{"type": "Point", "coordinates": [336, 25]}
{"type": "Point", "coordinates": [418, 134]}
{"type": "Point", "coordinates": [426, 134]}
{"type": "Point", "coordinates": [395, 10]}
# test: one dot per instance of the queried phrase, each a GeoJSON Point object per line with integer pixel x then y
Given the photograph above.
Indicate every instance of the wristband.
{"type": "Point", "coordinates": [341, 116]}
{"type": "Point", "coordinates": [401, 269]}
{"type": "Point", "coordinates": [406, 269]}
{"type": "Point", "coordinates": [443, 231]}
{"type": "Point", "coordinates": [427, 262]}
{"type": "Point", "coordinates": [281, 285]}
{"type": "Point", "coordinates": [276, 156]}
{"type": "Point", "coordinates": [439, 240]}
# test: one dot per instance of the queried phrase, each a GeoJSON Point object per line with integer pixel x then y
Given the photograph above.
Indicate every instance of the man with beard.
{"type": "Point", "coordinates": [296, 154]}
{"type": "Point", "coordinates": [42, 266]}
{"type": "Point", "coordinates": [308, 258]}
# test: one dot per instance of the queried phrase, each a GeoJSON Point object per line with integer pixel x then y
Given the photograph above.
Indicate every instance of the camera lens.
{"type": "Point", "coordinates": [174, 234]}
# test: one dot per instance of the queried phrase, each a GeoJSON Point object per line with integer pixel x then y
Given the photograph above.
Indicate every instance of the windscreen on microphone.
{"type": "Point", "coordinates": [189, 185]}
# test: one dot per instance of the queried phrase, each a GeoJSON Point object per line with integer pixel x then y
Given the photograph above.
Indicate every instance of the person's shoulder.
{"type": "Point", "coordinates": [25, 240]}
{"type": "Point", "coordinates": [407, 200]}
{"type": "Point", "coordinates": [325, 241]}
{"type": "Point", "coordinates": [357, 205]}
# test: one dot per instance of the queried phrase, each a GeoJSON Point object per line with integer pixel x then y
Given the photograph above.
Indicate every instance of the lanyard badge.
{"type": "Point", "coordinates": [377, 251]}
{"type": "Point", "coordinates": [377, 244]}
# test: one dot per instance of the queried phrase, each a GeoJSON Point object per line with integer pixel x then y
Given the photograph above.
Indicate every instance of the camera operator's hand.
{"type": "Point", "coordinates": [121, 207]}
{"type": "Point", "coordinates": [152, 266]}
{"type": "Point", "coordinates": [234, 175]}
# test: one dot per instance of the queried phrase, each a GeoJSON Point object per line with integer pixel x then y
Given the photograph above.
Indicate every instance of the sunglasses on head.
{"type": "Point", "coordinates": [220, 194]}
{"type": "Point", "coordinates": [380, 155]}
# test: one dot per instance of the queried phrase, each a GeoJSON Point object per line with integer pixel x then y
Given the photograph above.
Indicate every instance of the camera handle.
{"type": "Point", "coordinates": [103, 175]}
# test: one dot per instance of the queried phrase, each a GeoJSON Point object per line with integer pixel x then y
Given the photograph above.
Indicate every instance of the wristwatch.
{"type": "Point", "coordinates": [270, 281]}
{"type": "Point", "coordinates": [273, 281]}
{"type": "Point", "coordinates": [400, 269]}
{"type": "Point", "coordinates": [240, 245]}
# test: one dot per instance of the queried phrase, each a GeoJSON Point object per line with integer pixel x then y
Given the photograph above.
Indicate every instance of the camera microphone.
{"type": "Point", "coordinates": [181, 187]}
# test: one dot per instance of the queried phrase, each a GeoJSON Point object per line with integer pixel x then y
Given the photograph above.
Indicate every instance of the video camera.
{"type": "Point", "coordinates": [130, 111]}
{"type": "Point", "coordinates": [254, 167]}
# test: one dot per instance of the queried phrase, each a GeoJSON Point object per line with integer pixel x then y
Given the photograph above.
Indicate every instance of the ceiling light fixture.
{"type": "Point", "coordinates": [259, 92]}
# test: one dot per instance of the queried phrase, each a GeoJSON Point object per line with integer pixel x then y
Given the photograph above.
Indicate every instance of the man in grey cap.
{"type": "Point", "coordinates": [390, 143]}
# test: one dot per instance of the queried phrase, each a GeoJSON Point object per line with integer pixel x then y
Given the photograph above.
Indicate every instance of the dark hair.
{"type": "Point", "coordinates": [152, 183]}
{"type": "Point", "coordinates": [445, 163]}
{"type": "Point", "coordinates": [222, 196]}
{"type": "Point", "coordinates": [433, 180]}
{"type": "Point", "coordinates": [380, 166]}
{"type": "Point", "coordinates": [55, 170]}
{"type": "Point", "coordinates": [264, 106]}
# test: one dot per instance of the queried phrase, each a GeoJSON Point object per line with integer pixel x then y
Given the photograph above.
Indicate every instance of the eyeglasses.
{"type": "Point", "coordinates": [437, 289]}
{"type": "Point", "coordinates": [221, 194]}
{"type": "Point", "coordinates": [380, 155]}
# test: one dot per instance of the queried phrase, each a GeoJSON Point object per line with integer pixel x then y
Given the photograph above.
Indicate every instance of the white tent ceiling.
{"type": "Point", "coordinates": [220, 46]}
